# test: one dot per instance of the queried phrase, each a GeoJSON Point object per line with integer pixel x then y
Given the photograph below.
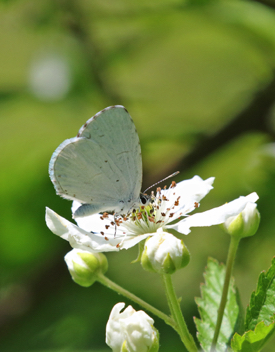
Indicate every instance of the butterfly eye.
{"type": "Point", "coordinates": [144, 198]}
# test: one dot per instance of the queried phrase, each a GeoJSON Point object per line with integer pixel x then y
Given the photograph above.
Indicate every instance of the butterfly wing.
{"type": "Point", "coordinates": [102, 166]}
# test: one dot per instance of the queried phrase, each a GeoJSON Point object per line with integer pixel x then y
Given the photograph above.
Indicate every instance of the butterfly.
{"type": "Point", "coordinates": [101, 167]}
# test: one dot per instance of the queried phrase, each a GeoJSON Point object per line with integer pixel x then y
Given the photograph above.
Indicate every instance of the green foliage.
{"type": "Point", "coordinates": [253, 341]}
{"type": "Point", "coordinates": [259, 324]}
{"type": "Point", "coordinates": [208, 306]}
{"type": "Point", "coordinates": [262, 302]}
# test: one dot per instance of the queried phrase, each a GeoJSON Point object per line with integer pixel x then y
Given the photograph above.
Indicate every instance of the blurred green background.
{"type": "Point", "coordinates": [197, 78]}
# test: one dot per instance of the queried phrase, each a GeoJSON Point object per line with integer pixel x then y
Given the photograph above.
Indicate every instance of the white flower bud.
{"type": "Point", "coordinates": [131, 331]}
{"type": "Point", "coordinates": [84, 266]}
{"type": "Point", "coordinates": [245, 224]}
{"type": "Point", "coordinates": [164, 253]}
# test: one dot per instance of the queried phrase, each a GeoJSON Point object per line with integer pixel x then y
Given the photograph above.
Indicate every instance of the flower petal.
{"type": "Point", "coordinates": [93, 242]}
{"type": "Point", "coordinates": [214, 216]}
{"type": "Point", "coordinates": [77, 237]}
{"type": "Point", "coordinates": [89, 222]}
{"type": "Point", "coordinates": [187, 193]}
{"type": "Point", "coordinates": [131, 330]}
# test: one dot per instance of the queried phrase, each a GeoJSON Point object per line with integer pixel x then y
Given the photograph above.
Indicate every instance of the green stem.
{"type": "Point", "coordinates": [174, 306]}
{"type": "Point", "coordinates": [120, 290]}
{"type": "Point", "coordinates": [234, 243]}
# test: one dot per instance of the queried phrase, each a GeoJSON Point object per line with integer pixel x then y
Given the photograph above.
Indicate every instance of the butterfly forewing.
{"type": "Point", "coordinates": [102, 165]}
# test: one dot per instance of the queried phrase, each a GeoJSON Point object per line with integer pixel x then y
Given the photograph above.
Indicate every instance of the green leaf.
{"type": "Point", "coordinates": [253, 341]}
{"type": "Point", "coordinates": [262, 301]}
{"type": "Point", "coordinates": [208, 306]}
{"type": "Point", "coordinates": [259, 322]}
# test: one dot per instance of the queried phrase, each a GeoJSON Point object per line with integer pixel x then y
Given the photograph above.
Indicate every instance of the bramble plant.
{"type": "Point", "coordinates": [221, 326]}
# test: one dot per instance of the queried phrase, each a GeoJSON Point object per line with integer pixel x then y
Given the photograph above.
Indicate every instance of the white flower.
{"type": "Point", "coordinates": [164, 253]}
{"type": "Point", "coordinates": [131, 330]}
{"type": "Point", "coordinates": [99, 233]}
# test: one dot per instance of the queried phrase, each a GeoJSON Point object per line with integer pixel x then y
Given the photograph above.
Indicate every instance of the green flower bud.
{"type": "Point", "coordinates": [245, 224]}
{"type": "Point", "coordinates": [84, 266]}
{"type": "Point", "coordinates": [164, 253]}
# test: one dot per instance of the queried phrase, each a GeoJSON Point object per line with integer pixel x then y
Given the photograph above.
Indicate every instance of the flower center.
{"type": "Point", "coordinates": [164, 208]}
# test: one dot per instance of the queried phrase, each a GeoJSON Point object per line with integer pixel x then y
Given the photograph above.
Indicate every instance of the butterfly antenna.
{"type": "Point", "coordinates": [172, 175]}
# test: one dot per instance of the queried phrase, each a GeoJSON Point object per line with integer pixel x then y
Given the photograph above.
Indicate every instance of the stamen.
{"type": "Point", "coordinates": [173, 184]}
{"type": "Point", "coordinates": [196, 204]}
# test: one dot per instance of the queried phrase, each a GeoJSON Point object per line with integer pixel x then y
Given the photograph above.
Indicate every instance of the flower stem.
{"type": "Point", "coordinates": [174, 306]}
{"type": "Point", "coordinates": [120, 290]}
{"type": "Point", "coordinates": [234, 243]}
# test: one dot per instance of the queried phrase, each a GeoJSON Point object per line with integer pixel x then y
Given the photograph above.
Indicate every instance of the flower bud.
{"type": "Point", "coordinates": [131, 331]}
{"type": "Point", "coordinates": [164, 253]}
{"type": "Point", "coordinates": [84, 266]}
{"type": "Point", "coordinates": [245, 224]}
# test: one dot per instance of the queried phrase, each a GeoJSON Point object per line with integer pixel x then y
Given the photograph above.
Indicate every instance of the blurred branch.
{"type": "Point", "coordinates": [75, 22]}
{"type": "Point", "coordinates": [269, 3]}
{"type": "Point", "coordinates": [255, 117]}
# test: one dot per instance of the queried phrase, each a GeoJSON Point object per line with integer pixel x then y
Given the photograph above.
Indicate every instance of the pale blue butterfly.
{"type": "Point", "coordinates": [101, 167]}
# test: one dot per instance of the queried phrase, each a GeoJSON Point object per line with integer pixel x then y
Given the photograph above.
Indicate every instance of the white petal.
{"type": "Point", "coordinates": [93, 242]}
{"type": "Point", "coordinates": [116, 310]}
{"type": "Point", "coordinates": [114, 335]}
{"type": "Point", "coordinates": [131, 241]}
{"type": "Point", "coordinates": [214, 216]}
{"type": "Point", "coordinates": [134, 328]}
{"type": "Point", "coordinates": [77, 237]}
{"type": "Point", "coordinates": [93, 223]}
{"type": "Point", "coordinates": [188, 192]}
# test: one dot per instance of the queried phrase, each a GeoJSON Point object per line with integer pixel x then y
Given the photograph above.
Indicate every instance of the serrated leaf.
{"type": "Point", "coordinates": [208, 305]}
{"type": "Point", "coordinates": [253, 341]}
{"type": "Point", "coordinates": [262, 301]}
